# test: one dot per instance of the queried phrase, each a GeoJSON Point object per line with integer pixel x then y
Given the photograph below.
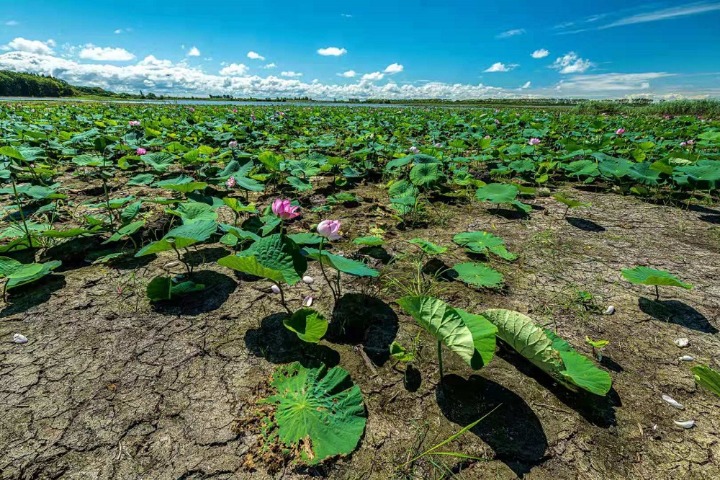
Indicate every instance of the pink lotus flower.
{"type": "Point", "coordinates": [329, 229]}
{"type": "Point", "coordinates": [134, 123]}
{"type": "Point", "coordinates": [283, 209]}
{"type": "Point", "coordinates": [233, 144]}
{"type": "Point", "coordinates": [619, 131]}
{"type": "Point", "coordinates": [534, 141]}
{"type": "Point", "coordinates": [414, 150]}
{"type": "Point", "coordinates": [141, 151]}
{"type": "Point", "coordinates": [231, 182]}
{"type": "Point", "coordinates": [691, 142]}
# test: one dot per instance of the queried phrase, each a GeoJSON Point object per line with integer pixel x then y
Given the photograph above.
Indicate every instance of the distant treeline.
{"type": "Point", "coordinates": [14, 84]}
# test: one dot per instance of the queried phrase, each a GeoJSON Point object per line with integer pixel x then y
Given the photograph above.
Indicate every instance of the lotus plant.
{"type": "Point", "coordinates": [534, 141]}
{"type": "Point", "coordinates": [284, 209]}
{"type": "Point", "coordinates": [140, 151]}
{"type": "Point", "coordinates": [619, 132]}
{"type": "Point", "coordinates": [329, 230]}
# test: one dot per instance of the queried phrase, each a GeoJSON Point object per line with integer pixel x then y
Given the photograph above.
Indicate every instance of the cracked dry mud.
{"type": "Point", "coordinates": [110, 387]}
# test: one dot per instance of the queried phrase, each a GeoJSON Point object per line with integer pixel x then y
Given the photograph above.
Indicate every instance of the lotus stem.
{"type": "Point", "coordinates": [440, 360]}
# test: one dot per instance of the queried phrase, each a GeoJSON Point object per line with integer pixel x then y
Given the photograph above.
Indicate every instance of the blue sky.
{"type": "Point", "coordinates": [323, 49]}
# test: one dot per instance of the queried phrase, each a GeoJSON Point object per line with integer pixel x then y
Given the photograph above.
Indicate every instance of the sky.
{"type": "Point", "coordinates": [456, 49]}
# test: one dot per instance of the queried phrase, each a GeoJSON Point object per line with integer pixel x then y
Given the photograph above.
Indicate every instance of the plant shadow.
{"type": "Point", "coordinates": [204, 255]}
{"type": "Point", "coordinates": [513, 431]}
{"type": "Point", "coordinates": [598, 410]}
{"type": "Point", "coordinates": [73, 252]}
{"type": "Point", "coordinates": [23, 298]}
{"type": "Point", "coordinates": [508, 214]}
{"type": "Point", "coordinates": [276, 344]}
{"type": "Point", "coordinates": [714, 219]}
{"type": "Point", "coordinates": [677, 312]}
{"type": "Point", "coordinates": [585, 224]}
{"type": "Point", "coordinates": [360, 318]}
{"type": "Point", "coordinates": [218, 288]}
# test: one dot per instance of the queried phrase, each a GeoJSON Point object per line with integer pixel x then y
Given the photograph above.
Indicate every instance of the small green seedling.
{"type": "Point", "coordinates": [569, 203]}
{"type": "Point", "coordinates": [708, 378]}
{"type": "Point", "coordinates": [653, 277]}
{"type": "Point", "coordinates": [597, 346]}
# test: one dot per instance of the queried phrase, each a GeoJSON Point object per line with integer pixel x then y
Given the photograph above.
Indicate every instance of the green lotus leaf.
{"type": "Point", "coordinates": [309, 325]}
{"type": "Point", "coordinates": [478, 275]}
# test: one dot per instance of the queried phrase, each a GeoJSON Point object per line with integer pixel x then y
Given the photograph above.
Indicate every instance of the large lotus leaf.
{"type": "Point", "coordinates": [189, 211]}
{"type": "Point", "coordinates": [708, 378]}
{"type": "Point", "coordinates": [497, 193]}
{"type": "Point", "coordinates": [478, 275]}
{"type": "Point", "coordinates": [309, 325]}
{"type": "Point", "coordinates": [30, 273]}
{"type": "Point", "coordinates": [470, 336]}
{"type": "Point", "coordinates": [319, 412]}
{"type": "Point", "coordinates": [345, 265]}
{"type": "Point", "coordinates": [128, 229]}
{"type": "Point", "coordinates": [183, 184]}
{"type": "Point", "coordinates": [582, 168]}
{"type": "Point", "coordinates": [581, 371]}
{"type": "Point", "coordinates": [651, 276]}
{"type": "Point", "coordinates": [644, 173]}
{"type": "Point", "coordinates": [615, 168]}
{"type": "Point", "coordinates": [275, 257]}
{"type": "Point", "coordinates": [425, 174]}
{"type": "Point", "coordinates": [483, 242]}
{"type": "Point", "coordinates": [151, 248]}
{"type": "Point", "coordinates": [11, 268]}
{"type": "Point", "coordinates": [163, 288]}
{"type": "Point", "coordinates": [159, 161]}
{"type": "Point", "coordinates": [403, 188]}
{"type": "Point", "coordinates": [192, 232]}
{"type": "Point", "coordinates": [706, 171]}
{"type": "Point", "coordinates": [428, 247]}
{"type": "Point", "coordinates": [520, 332]}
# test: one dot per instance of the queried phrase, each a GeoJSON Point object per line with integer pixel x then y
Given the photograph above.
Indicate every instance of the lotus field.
{"type": "Point", "coordinates": [232, 291]}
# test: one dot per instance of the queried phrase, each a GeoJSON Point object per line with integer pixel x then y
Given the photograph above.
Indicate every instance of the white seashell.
{"type": "Point", "coordinates": [685, 424]}
{"type": "Point", "coordinates": [308, 301]}
{"type": "Point", "coordinates": [609, 310]}
{"type": "Point", "coordinates": [672, 401]}
{"type": "Point", "coordinates": [682, 342]}
{"type": "Point", "coordinates": [686, 358]}
{"type": "Point", "coordinates": [19, 338]}
{"type": "Point", "coordinates": [275, 289]}
{"type": "Point", "coordinates": [308, 279]}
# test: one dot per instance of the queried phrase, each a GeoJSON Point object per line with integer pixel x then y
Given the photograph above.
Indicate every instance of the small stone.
{"type": "Point", "coordinates": [308, 279]}
{"type": "Point", "coordinates": [687, 358]}
{"type": "Point", "coordinates": [19, 338]}
{"type": "Point", "coordinates": [682, 342]}
{"type": "Point", "coordinates": [609, 310]}
{"type": "Point", "coordinates": [275, 289]}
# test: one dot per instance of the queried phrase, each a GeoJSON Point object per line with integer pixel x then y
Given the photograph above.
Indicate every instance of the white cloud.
{"type": "Point", "coordinates": [348, 74]}
{"type": "Point", "coordinates": [394, 68]}
{"type": "Point", "coordinates": [118, 31]}
{"type": "Point", "coordinates": [193, 52]}
{"type": "Point", "coordinates": [499, 67]}
{"type": "Point", "coordinates": [332, 51]}
{"type": "Point", "coordinates": [31, 46]}
{"type": "Point", "coordinates": [542, 53]}
{"type": "Point", "coordinates": [511, 33]}
{"type": "Point", "coordinates": [665, 14]}
{"type": "Point", "coordinates": [571, 63]}
{"type": "Point", "coordinates": [526, 85]}
{"type": "Point", "coordinates": [166, 77]}
{"type": "Point", "coordinates": [270, 65]}
{"type": "Point", "coordinates": [234, 69]}
{"type": "Point", "coordinates": [254, 56]}
{"type": "Point", "coordinates": [609, 82]}
{"type": "Point", "coordinates": [105, 54]}
{"type": "Point", "coordinates": [291, 74]}
{"type": "Point", "coordinates": [372, 77]}
{"type": "Point", "coordinates": [346, 15]}
{"type": "Point", "coordinates": [12, 23]}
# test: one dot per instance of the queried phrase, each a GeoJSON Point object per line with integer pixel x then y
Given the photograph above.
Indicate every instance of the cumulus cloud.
{"type": "Point", "coordinates": [542, 53]}
{"type": "Point", "coordinates": [193, 52]}
{"type": "Point", "coordinates": [498, 67]}
{"type": "Point", "coordinates": [234, 69]}
{"type": "Point", "coordinates": [348, 74]}
{"type": "Point", "coordinates": [254, 56]}
{"type": "Point", "coordinates": [12, 23]}
{"type": "Point", "coordinates": [31, 46]}
{"type": "Point", "coordinates": [291, 74]}
{"type": "Point", "coordinates": [105, 54]}
{"type": "Point", "coordinates": [270, 65]}
{"type": "Point", "coordinates": [372, 77]}
{"type": "Point", "coordinates": [511, 33]}
{"type": "Point", "coordinates": [331, 51]}
{"type": "Point", "coordinates": [571, 63]}
{"type": "Point", "coordinates": [394, 68]}
{"type": "Point", "coordinates": [609, 82]}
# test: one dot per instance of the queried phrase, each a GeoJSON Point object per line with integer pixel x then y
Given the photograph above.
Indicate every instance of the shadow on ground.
{"type": "Point", "coordinates": [677, 312]}
{"type": "Point", "coordinates": [585, 224]}
{"type": "Point", "coordinates": [599, 411]}
{"type": "Point", "coordinates": [23, 298]}
{"type": "Point", "coordinates": [218, 288]}
{"type": "Point", "coordinates": [277, 344]}
{"type": "Point", "coordinates": [360, 318]}
{"type": "Point", "coordinates": [513, 431]}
